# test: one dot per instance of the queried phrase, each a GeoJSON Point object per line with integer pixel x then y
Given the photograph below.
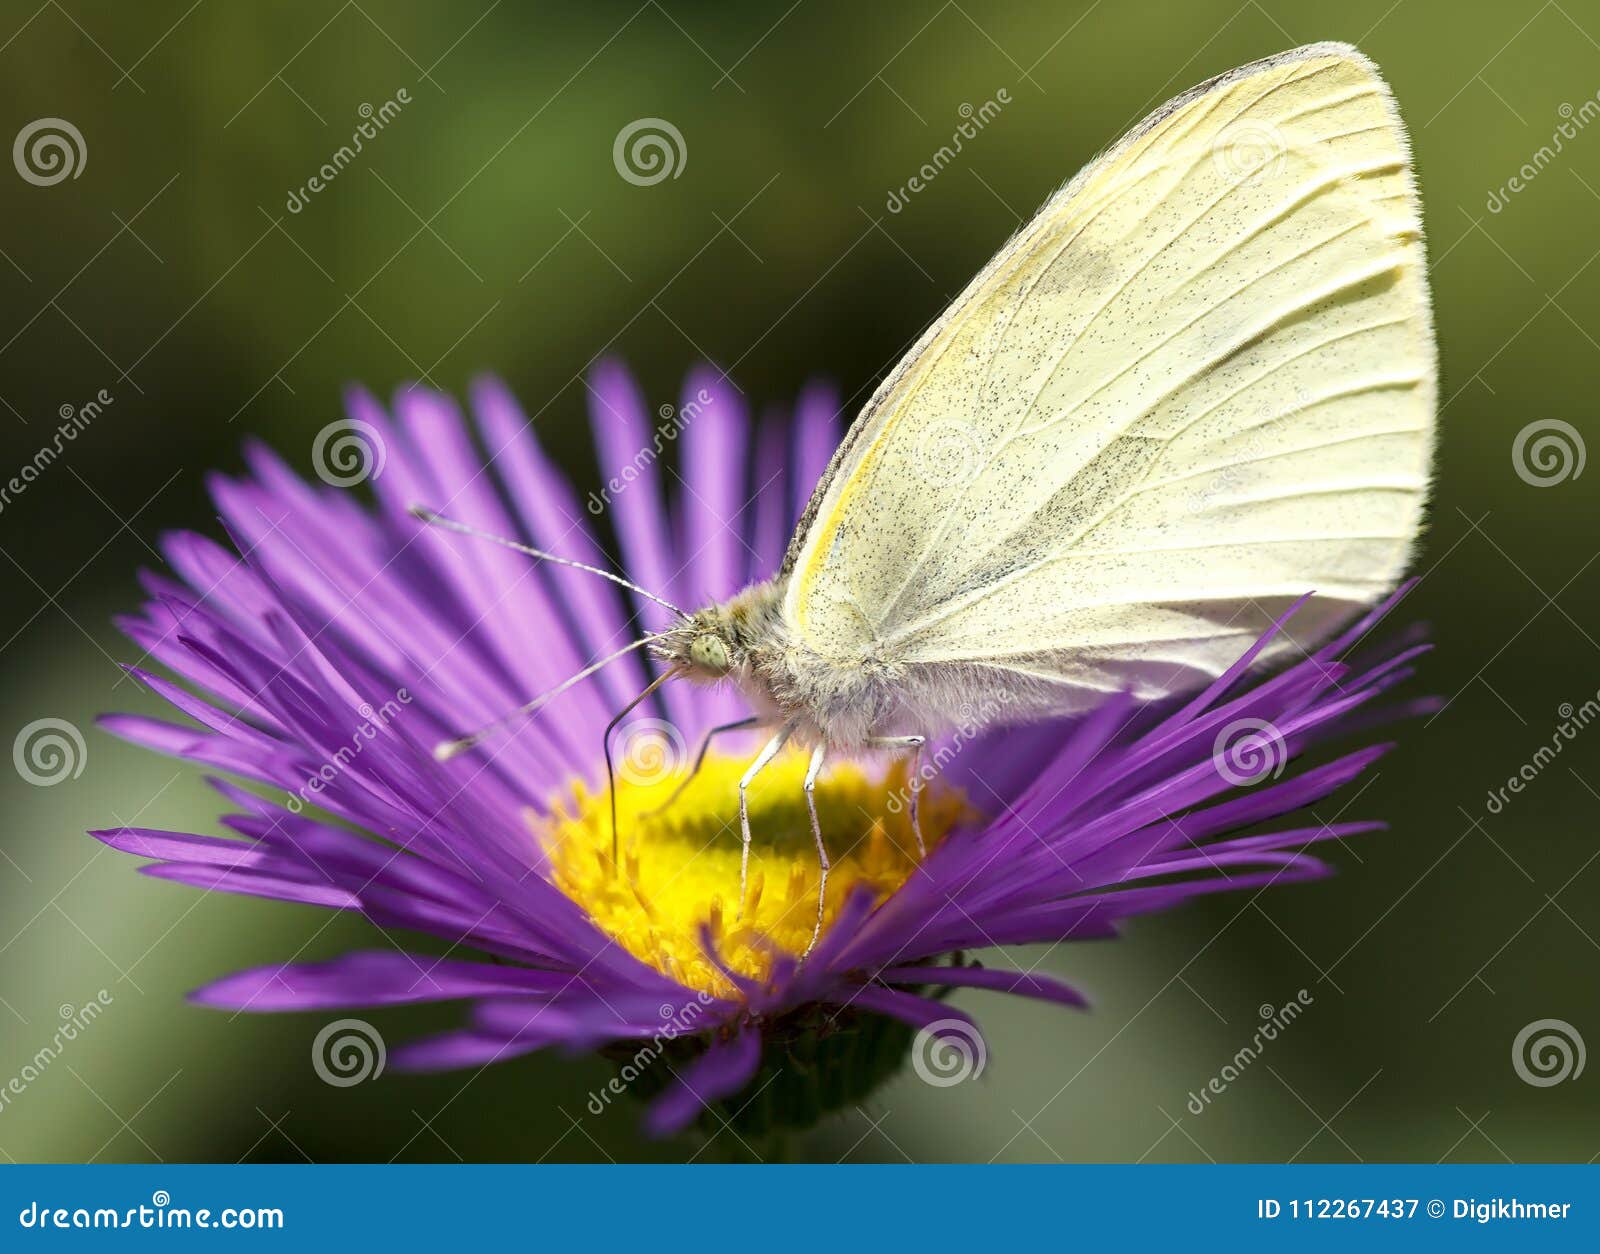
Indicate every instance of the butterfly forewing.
{"type": "Point", "coordinates": [1199, 384]}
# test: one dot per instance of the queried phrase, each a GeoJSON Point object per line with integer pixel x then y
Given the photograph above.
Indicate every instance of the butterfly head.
{"type": "Point", "coordinates": [726, 639]}
{"type": "Point", "coordinates": [701, 647]}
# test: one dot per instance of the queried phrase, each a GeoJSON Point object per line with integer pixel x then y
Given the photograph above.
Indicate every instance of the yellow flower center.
{"type": "Point", "coordinates": [680, 864]}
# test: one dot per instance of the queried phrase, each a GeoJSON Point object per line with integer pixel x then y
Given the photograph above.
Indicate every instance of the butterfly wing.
{"type": "Point", "coordinates": [1199, 384]}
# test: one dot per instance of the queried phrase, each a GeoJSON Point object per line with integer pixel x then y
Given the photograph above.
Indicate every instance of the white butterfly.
{"type": "Point", "coordinates": [1197, 386]}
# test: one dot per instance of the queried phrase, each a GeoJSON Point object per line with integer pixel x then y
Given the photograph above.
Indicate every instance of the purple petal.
{"type": "Point", "coordinates": [248, 883]}
{"type": "Point", "coordinates": [920, 1012]}
{"type": "Point", "coordinates": [816, 438]}
{"type": "Point", "coordinates": [452, 1051]}
{"type": "Point", "coordinates": [367, 979]}
{"type": "Point", "coordinates": [598, 610]}
{"type": "Point", "coordinates": [147, 842]}
{"type": "Point", "coordinates": [720, 1072]}
{"type": "Point", "coordinates": [712, 551]}
{"type": "Point", "coordinates": [1022, 983]}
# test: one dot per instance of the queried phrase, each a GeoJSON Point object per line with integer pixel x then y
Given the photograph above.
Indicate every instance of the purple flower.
{"type": "Point", "coordinates": [333, 647]}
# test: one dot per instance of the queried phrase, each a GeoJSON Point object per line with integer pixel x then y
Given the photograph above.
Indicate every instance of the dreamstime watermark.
{"type": "Point", "coordinates": [1574, 719]}
{"type": "Point", "coordinates": [48, 151]}
{"type": "Point", "coordinates": [973, 120]}
{"type": "Point", "coordinates": [1548, 452]}
{"type": "Point", "coordinates": [973, 719]}
{"type": "Point", "coordinates": [159, 1213]}
{"type": "Point", "coordinates": [1227, 479]}
{"type": "Point", "coordinates": [75, 1021]}
{"type": "Point", "coordinates": [373, 121]}
{"type": "Point", "coordinates": [373, 721]}
{"type": "Point", "coordinates": [48, 751]}
{"type": "Point", "coordinates": [674, 418]}
{"type": "Point", "coordinates": [1572, 122]}
{"type": "Point", "coordinates": [75, 420]}
{"type": "Point", "coordinates": [677, 1022]}
{"type": "Point", "coordinates": [347, 1052]}
{"type": "Point", "coordinates": [948, 1052]}
{"type": "Point", "coordinates": [347, 452]}
{"type": "Point", "coordinates": [1548, 1052]}
{"type": "Point", "coordinates": [648, 151]}
{"type": "Point", "coordinates": [1256, 446]}
{"type": "Point", "coordinates": [1249, 750]}
{"type": "Point", "coordinates": [1275, 1020]}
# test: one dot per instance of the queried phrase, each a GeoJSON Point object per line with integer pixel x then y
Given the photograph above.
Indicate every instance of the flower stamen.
{"type": "Point", "coordinates": [680, 865]}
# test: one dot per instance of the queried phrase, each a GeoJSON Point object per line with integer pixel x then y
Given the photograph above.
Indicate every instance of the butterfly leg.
{"type": "Point", "coordinates": [812, 772]}
{"type": "Point", "coordinates": [700, 760]}
{"type": "Point", "coordinates": [913, 744]}
{"type": "Point", "coordinates": [766, 755]}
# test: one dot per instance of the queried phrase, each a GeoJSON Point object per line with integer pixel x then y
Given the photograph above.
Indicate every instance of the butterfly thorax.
{"type": "Point", "coordinates": [744, 640]}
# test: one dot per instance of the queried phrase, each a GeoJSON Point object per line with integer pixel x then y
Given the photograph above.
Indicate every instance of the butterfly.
{"type": "Point", "coordinates": [1198, 386]}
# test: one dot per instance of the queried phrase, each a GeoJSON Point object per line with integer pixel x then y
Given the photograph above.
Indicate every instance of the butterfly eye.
{"type": "Point", "coordinates": [708, 652]}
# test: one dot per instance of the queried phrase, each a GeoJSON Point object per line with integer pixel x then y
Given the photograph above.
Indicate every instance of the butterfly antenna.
{"type": "Point", "coordinates": [435, 519]}
{"type": "Point", "coordinates": [447, 749]}
{"type": "Point", "coordinates": [605, 740]}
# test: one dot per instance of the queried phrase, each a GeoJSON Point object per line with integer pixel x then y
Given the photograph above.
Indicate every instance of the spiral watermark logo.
{"type": "Point", "coordinates": [348, 1052]}
{"type": "Point", "coordinates": [1249, 750]}
{"type": "Point", "coordinates": [348, 452]}
{"type": "Point", "coordinates": [648, 151]}
{"type": "Point", "coordinates": [49, 750]}
{"type": "Point", "coordinates": [1247, 149]}
{"type": "Point", "coordinates": [947, 1052]}
{"type": "Point", "coordinates": [948, 454]}
{"type": "Point", "coordinates": [1548, 452]}
{"type": "Point", "coordinates": [1546, 1052]}
{"type": "Point", "coordinates": [49, 151]}
{"type": "Point", "coordinates": [652, 750]}
{"type": "Point", "coordinates": [161, 1198]}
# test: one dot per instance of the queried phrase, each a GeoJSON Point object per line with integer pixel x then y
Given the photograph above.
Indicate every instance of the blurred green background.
{"type": "Point", "coordinates": [486, 228]}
